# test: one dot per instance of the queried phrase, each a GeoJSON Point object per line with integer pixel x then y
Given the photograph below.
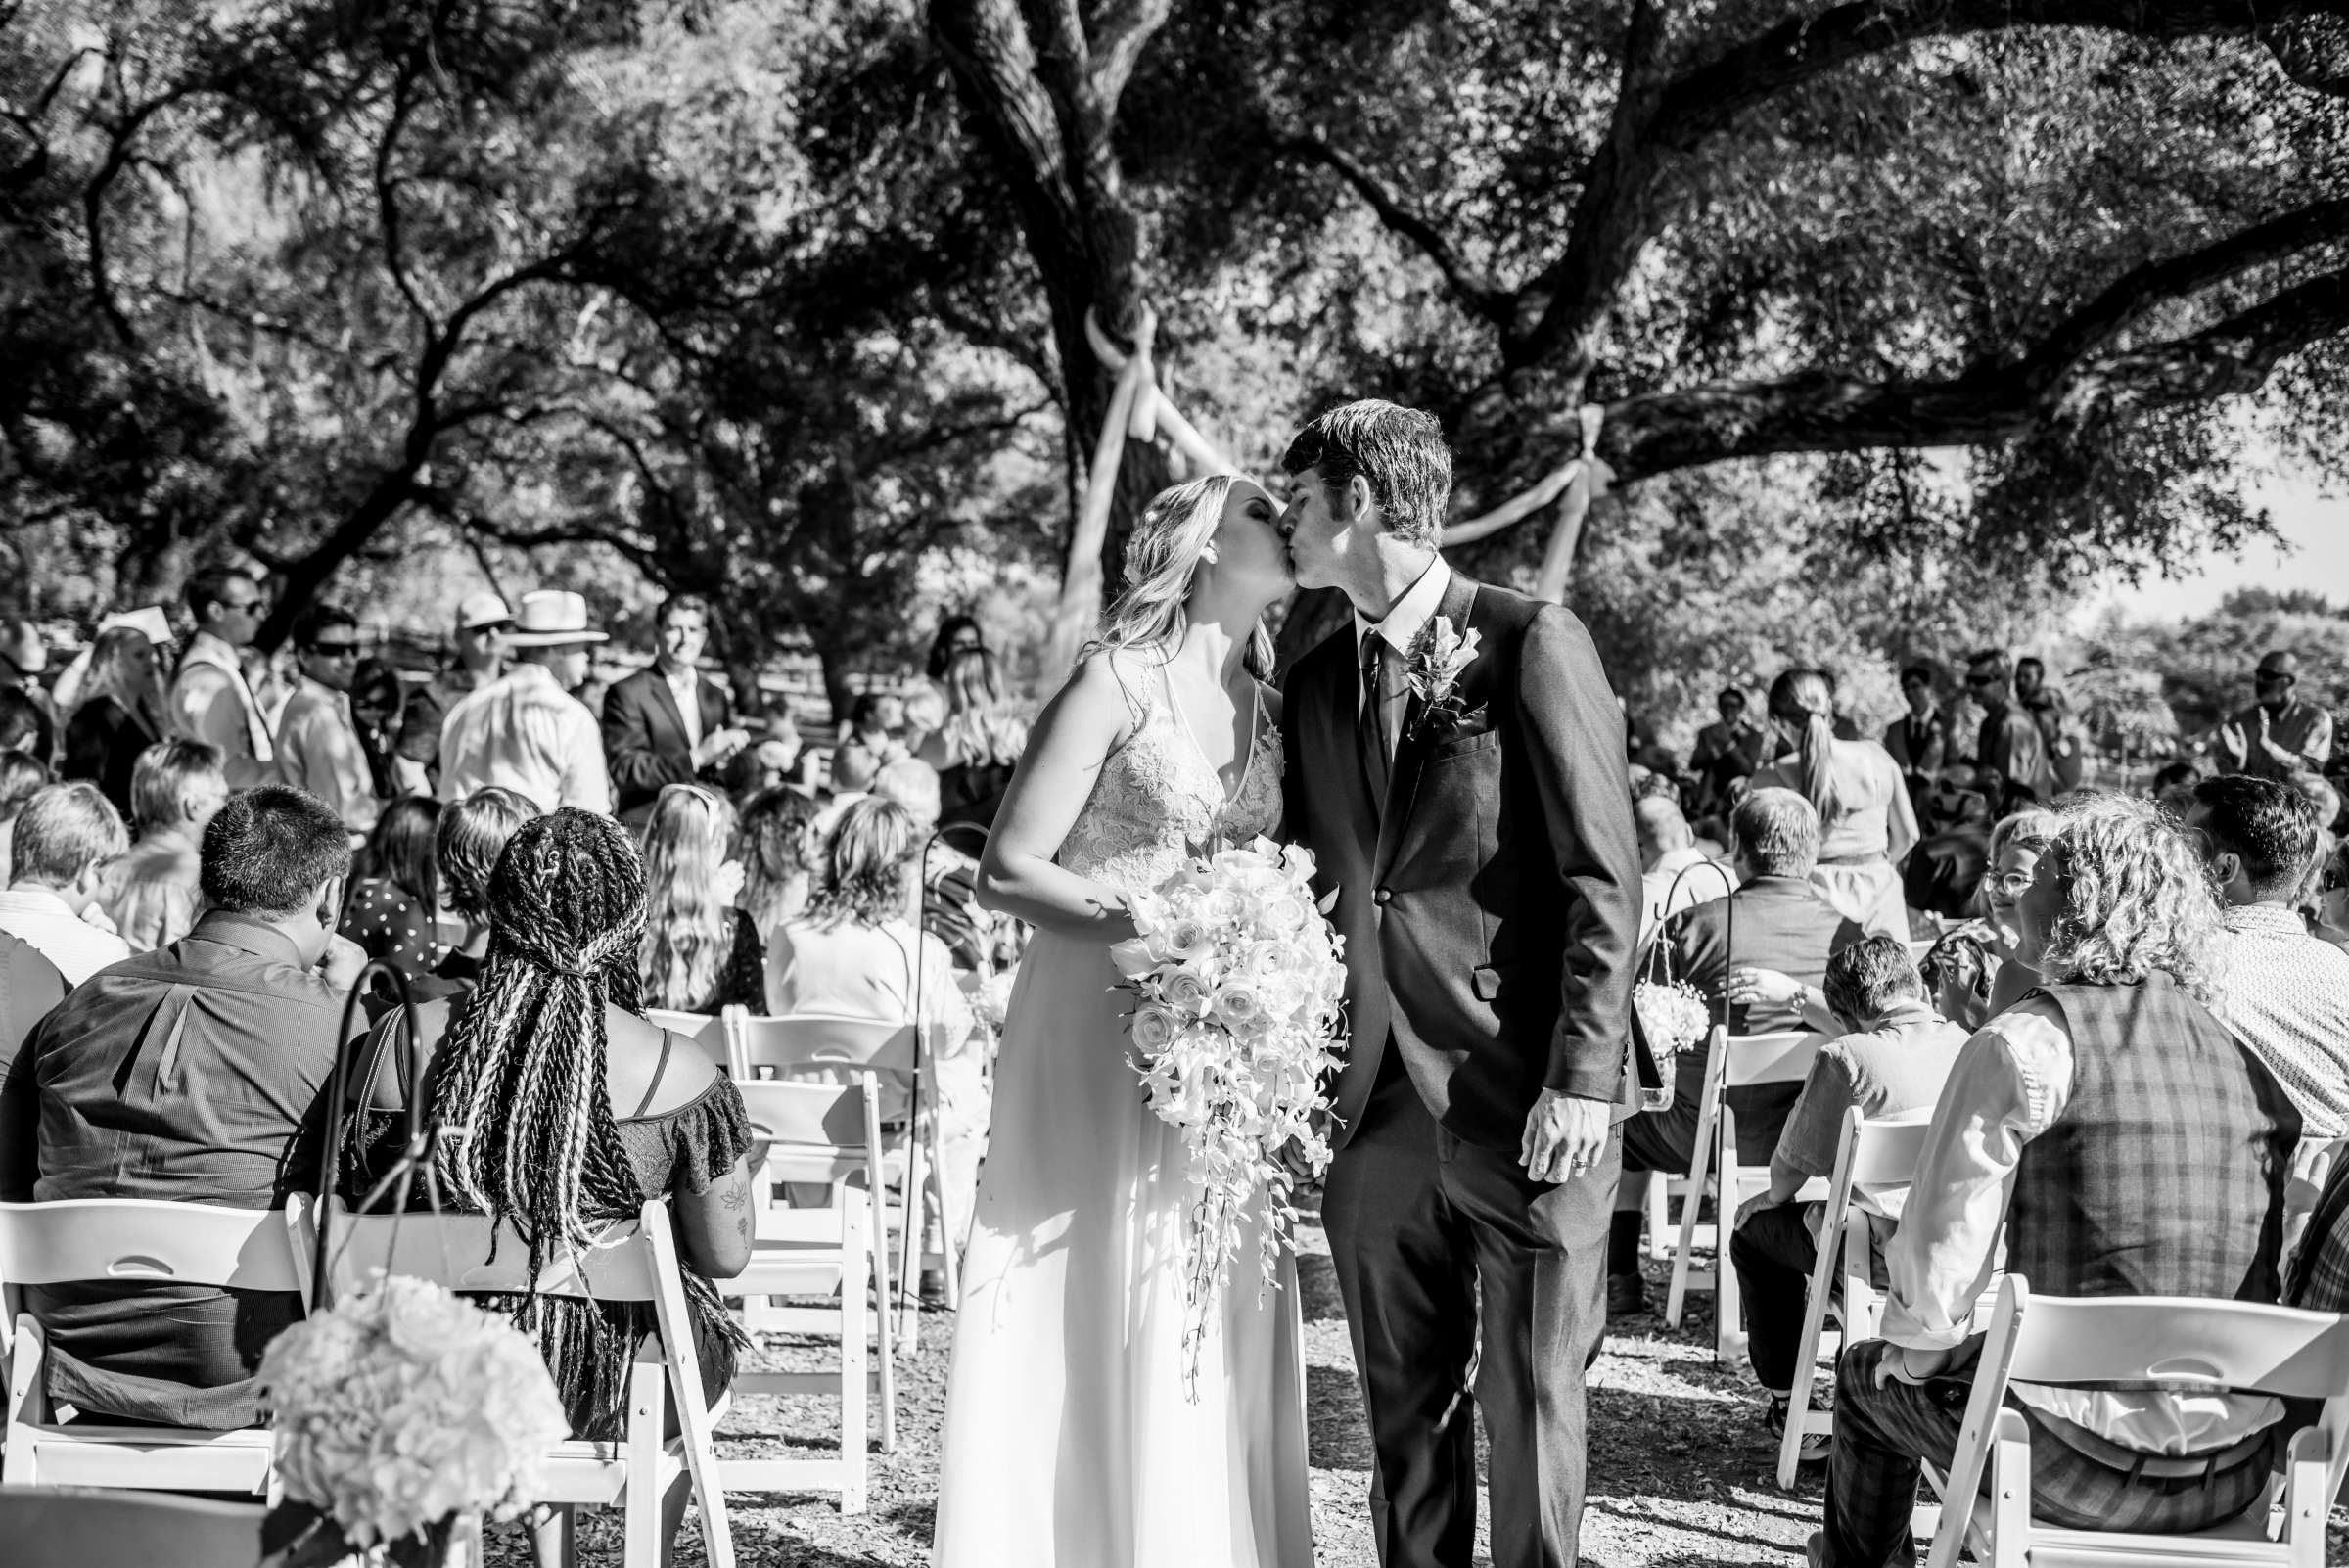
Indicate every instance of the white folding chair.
{"type": "Point", "coordinates": [1733, 1061]}
{"type": "Point", "coordinates": [1875, 1155]}
{"type": "Point", "coordinates": [118, 1240]}
{"type": "Point", "coordinates": [824, 1049]}
{"type": "Point", "coordinates": [76, 1527]}
{"type": "Point", "coordinates": [819, 1133]}
{"type": "Point", "coordinates": [712, 1033]}
{"type": "Point", "coordinates": [633, 1261]}
{"type": "Point", "coordinates": [2246, 1346]}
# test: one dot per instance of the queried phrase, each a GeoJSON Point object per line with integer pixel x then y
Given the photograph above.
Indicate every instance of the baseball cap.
{"type": "Point", "coordinates": [482, 609]}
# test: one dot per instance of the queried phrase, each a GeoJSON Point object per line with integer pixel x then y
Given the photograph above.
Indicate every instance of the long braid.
{"type": "Point", "coordinates": [521, 1083]}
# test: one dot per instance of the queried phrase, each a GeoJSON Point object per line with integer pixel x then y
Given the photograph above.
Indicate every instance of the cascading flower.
{"type": "Point", "coordinates": [1238, 980]}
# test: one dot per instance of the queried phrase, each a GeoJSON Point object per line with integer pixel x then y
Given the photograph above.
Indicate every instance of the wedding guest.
{"type": "Point", "coordinates": [671, 723]}
{"type": "Point", "coordinates": [318, 747]}
{"type": "Point", "coordinates": [23, 660]}
{"type": "Point", "coordinates": [2285, 993]}
{"type": "Point", "coordinates": [393, 907]}
{"type": "Point", "coordinates": [524, 731]}
{"type": "Point", "coordinates": [957, 634]}
{"type": "Point", "coordinates": [2017, 845]}
{"type": "Point", "coordinates": [944, 875]}
{"type": "Point", "coordinates": [1956, 971]}
{"type": "Point", "coordinates": [470, 837]}
{"type": "Point", "coordinates": [1673, 873]}
{"type": "Point", "coordinates": [1918, 740]}
{"type": "Point", "coordinates": [854, 953]}
{"type": "Point", "coordinates": [61, 847]}
{"type": "Point", "coordinates": [774, 847]}
{"type": "Point", "coordinates": [769, 761]}
{"type": "Point", "coordinates": [2010, 743]}
{"type": "Point", "coordinates": [1866, 825]}
{"type": "Point", "coordinates": [152, 892]}
{"type": "Point", "coordinates": [700, 952]}
{"type": "Point", "coordinates": [2131, 1148]}
{"type": "Point", "coordinates": [1725, 751]}
{"type": "Point", "coordinates": [1892, 1056]}
{"type": "Point", "coordinates": [574, 1111]}
{"type": "Point", "coordinates": [2280, 734]}
{"type": "Point", "coordinates": [122, 713]}
{"type": "Point", "coordinates": [1943, 875]}
{"type": "Point", "coordinates": [980, 744]}
{"type": "Point", "coordinates": [210, 700]}
{"type": "Point", "coordinates": [1776, 924]}
{"type": "Point", "coordinates": [231, 1114]}
{"type": "Point", "coordinates": [21, 777]}
{"type": "Point", "coordinates": [480, 642]}
{"type": "Point", "coordinates": [378, 703]}
{"type": "Point", "coordinates": [872, 742]}
{"type": "Point", "coordinates": [29, 986]}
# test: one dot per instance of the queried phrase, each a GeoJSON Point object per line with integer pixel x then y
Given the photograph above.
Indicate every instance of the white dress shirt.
{"type": "Point", "coordinates": [525, 733]}
{"type": "Point", "coordinates": [2286, 998]}
{"type": "Point", "coordinates": [318, 750]}
{"type": "Point", "coordinates": [1660, 899]}
{"type": "Point", "coordinates": [210, 702]}
{"type": "Point", "coordinates": [685, 685]}
{"type": "Point", "coordinates": [46, 923]}
{"type": "Point", "coordinates": [2012, 1084]}
{"type": "Point", "coordinates": [1398, 630]}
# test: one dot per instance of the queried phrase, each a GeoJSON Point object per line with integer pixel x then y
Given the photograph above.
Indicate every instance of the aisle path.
{"type": "Point", "coordinates": [1680, 1472]}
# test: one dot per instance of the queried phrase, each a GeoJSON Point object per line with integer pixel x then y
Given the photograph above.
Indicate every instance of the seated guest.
{"type": "Point", "coordinates": [773, 759]}
{"type": "Point", "coordinates": [150, 893]}
{"type": "Point", "coordinates": [2015, 847]}
{"type": "Point", "coordinates": [395, 903]}
{"type": "Point", "coordinates": [122, 713]}
{"type": "Point", "coordinates": [470, 837]}
{"type": "Point", "coordinates": [871, 744]}
{"type": "Point", "coordinates": [1956, 971]}
{"type": "Point", "coordinates": [21, 779]}
{"type": "Point", "coordinates": [1892, 1058]}
{"type": "Point", "coordinates": [1673, 873]}
{"type": "Point", "coordinates": [196, 1074]}
{"type": "Point", "coordinates": [29, 986]}
{"type": "Point", "coordinates": [574, 1111]}
{"type": "Point", "coordinates": [773, 841]}
{"type": "Point", "coordinates": [2132, 1148]}
{"type": "Point", "coordinates": [1944, 872]}
{"type": "Point", "coordinates": [2286, 993]}
{"type": "Point", "coordinates": [980, 743]}
{"type": "Point", "coordinates": [57, 869]}
{"type": "Point", "coordinates": [854, 953]}
{"type": "Point", "coordinates": [700, 952]}
{"type": "Point", "coordinates": [1780, 923]}
{"type": "Point", "coordinates": [378, 707]}
{"type": "Point", "coordinates": [948, 865]}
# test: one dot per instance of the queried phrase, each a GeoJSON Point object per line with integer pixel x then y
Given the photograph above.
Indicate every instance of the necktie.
{"type": "Point", "coordinates": [1373, 730]}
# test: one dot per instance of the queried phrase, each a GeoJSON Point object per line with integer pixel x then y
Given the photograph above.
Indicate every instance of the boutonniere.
{"type": "Point", "coordinates": [1440, 655]}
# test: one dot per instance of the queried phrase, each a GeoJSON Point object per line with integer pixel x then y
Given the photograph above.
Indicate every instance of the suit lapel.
{"type": "Point", "coordinates": [667, 698]}
{"type": "Point", "coordinates": [1411, 748]}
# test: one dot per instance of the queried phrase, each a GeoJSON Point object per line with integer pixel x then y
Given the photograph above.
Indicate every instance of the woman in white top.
{"type": "Point", "coordinates": [854, 952]}
{"type": "Point", "coordinates": [1865, 823]}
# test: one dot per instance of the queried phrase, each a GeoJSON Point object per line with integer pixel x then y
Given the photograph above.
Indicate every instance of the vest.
{"type": "Point", "coordinates": [2156, 1178]}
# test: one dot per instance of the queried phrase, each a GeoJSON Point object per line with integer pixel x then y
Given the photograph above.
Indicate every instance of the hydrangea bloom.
{"type": "Point", "coordinates": [1239, 1003]}
{"type": "Point", "coordinates": [399, 1409]}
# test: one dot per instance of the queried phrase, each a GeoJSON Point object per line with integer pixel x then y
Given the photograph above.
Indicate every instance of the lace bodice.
{"type": "Point", "coordinates": [1158, 802]}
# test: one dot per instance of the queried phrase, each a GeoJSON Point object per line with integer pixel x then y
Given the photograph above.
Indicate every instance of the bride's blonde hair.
{"type": "Point", "coordinates": [1162, 562]}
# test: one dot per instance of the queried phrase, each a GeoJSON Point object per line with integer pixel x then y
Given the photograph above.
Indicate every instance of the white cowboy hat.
{"type": "Point", "coordinates": [552, 618]}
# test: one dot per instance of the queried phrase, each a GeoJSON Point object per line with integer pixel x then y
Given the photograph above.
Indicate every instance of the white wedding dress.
{"type": "Point", "coordinates": [1070, 1438]}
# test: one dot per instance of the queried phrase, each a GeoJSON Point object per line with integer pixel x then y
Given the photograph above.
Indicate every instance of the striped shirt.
{"type": "Point", "coordinates": [2285, 995]}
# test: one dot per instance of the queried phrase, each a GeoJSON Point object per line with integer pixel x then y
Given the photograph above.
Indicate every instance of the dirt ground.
{"type": "Point", "coordinates": [1681, 1471]}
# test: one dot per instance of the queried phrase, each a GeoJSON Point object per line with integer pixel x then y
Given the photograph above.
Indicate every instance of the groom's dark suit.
{"type": "Point", "coordinates": [1489, 905]}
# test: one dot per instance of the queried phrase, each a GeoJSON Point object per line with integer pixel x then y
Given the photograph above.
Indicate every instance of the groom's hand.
{"type": "Point", "coordinates": [1563, 1136]}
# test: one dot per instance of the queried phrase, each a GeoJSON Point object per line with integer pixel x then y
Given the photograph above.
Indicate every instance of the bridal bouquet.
{"type": "Point", "coordinates": [1239, 989]}
{"type": "Point", "coordinates": [400, 1414]}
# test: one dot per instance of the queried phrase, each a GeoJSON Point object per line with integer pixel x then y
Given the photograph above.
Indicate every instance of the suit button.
{"type": "Point", "coordinates": [1383, 896]}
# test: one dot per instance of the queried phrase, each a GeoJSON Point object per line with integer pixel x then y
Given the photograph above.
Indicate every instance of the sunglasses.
{"type": "Point", "coordinates": [1982, 680]}
{"type": "Point", "coordinates": [336, 650]}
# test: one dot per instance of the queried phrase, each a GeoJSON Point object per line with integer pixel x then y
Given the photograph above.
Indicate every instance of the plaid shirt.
{"type": "Point", "coordinates": [2319, 1277]}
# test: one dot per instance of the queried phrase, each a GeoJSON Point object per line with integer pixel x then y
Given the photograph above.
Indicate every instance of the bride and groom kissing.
{"type": "Point", "coordinates": [1453, 759]}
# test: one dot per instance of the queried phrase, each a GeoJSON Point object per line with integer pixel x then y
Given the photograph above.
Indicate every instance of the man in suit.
{"type": "Point", "coordinates": [665, 725]}
{"type": "Point", "coordinates": [1918, 740]}
{"type": "Point", "coordinates": [1467, 807]}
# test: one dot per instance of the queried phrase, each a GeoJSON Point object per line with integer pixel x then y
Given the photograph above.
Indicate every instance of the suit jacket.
{"type": "Point", "coordinates": [1491, 913]}
{"type": "Point", "coordinates": [644, 734]}
{"type": "Point", "coordinates": [1919, 747]}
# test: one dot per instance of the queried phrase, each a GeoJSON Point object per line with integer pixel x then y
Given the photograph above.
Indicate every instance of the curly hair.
{"type": "Point", "coordinates": [861, 871]}
{"type": "Point", "coordinates": [771, 839]}
{"type": "Point", "coordinates": [2136, 897]}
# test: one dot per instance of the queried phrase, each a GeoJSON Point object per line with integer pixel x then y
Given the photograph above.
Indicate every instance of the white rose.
{"type": "Point", "coordinates": [1187, 989]}
{"type": "Point", "coordinates": [1188, 938]}
{"type": "Point", "coordinates": [1238, 1005]}
{"type": "Point", "coordinates": [1152, 1031]}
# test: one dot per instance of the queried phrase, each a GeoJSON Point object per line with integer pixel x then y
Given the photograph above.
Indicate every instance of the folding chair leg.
{"type": "Point", "coordinates": [876, 1250]}
{"type": "Point", "coordinates": [909, 1269]}
{"type": "Point", "coordinates": [1659, 1214]}
{"type": "Point", "coordinates": [856, 1236]}
{"type": "Point", "coordinates": [1728, 1302]}
{"type": "Point", "coordinates": [949, 1248]}
{"type": "Point", "coordinates": [648, 1410]}
{"type": "Point", "coordinates": [556, 1536]}
{"type": "Point", "coordinates": [2009, 1494]}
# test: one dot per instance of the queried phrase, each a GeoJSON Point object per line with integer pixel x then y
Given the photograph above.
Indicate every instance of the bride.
{"type": "Point", "coordinates": [1072, 1437]}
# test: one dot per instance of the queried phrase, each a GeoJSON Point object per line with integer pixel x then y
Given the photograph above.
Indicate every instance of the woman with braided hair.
{"type": "Point", "coordinates": [562, 1109]}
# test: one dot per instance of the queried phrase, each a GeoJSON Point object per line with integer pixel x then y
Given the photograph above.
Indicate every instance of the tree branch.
{"type": "Point", "coordinates": [1121, 32]}
{"type": "Point", "coordinates": [1829, 411]}
{"type": "Point", "coordinates": [1475, 291]}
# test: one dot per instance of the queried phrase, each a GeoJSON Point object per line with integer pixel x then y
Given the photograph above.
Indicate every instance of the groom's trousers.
{"type": "Point", "coordinates": [1423, 1227]}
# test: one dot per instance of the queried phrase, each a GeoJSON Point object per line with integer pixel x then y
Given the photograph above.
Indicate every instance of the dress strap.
{"type": "Point", "coordinates": [660, 1067]}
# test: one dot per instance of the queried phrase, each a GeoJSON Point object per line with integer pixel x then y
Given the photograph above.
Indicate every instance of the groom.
{"type": "Point", "coordinates": [1456, 762]}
